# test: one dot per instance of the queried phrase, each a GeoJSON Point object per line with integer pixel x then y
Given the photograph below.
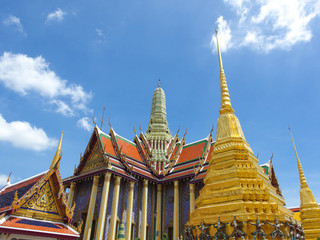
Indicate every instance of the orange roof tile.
{"type": "Point", "coordinates": [129, 149]}
{"type": "Point", "coordinates": [174, 151]}
{"type": "Point", "coordinates": [28, 224]}
{"type": "Point", "coordinates": [107, 145]}
{"type": "Point", "coordinates": [190, 152]}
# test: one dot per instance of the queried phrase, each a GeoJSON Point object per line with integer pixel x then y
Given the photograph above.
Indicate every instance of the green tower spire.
{"type": "Point", "coordinates": [158, 134]}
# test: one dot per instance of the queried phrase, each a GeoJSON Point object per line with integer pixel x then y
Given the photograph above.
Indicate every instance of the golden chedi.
{"type": "Point", "coordinates": [309, 208]}
{"type": "Point", "coordinates": [235, 185]}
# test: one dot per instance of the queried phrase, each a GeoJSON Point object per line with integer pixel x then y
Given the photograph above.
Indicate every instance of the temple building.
{"type": "Point", "coordinates": [36, 208]}
{"type": "Point", "coordinates": [147, 187]}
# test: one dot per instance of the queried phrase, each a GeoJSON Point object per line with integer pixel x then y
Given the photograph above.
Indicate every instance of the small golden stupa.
{"type": "Point", "coordinates": [236, 187]}
{"type": "Point", "coordinates": [309, 208]}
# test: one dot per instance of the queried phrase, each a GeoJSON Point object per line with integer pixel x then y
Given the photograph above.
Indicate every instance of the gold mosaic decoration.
{"type": "Point", "coordinates": [42, 200]}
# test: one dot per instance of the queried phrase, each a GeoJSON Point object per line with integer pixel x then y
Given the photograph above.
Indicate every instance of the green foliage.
{"type": "Point", "coordinates": [164, 236]}
{"type": "Point", "coordinates": [137, 239]}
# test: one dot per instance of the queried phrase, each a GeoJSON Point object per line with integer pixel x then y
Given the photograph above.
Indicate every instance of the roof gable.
{"type": "Point", "coordinates": [42, 201]}
{"type": "Point", "coordinates": [8, 193]}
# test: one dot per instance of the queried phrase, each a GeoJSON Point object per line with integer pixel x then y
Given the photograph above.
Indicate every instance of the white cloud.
{"type": "Point", "coordinates": [26, 75]}
{"type": "Point", "coordinates": [236, 4]}
{"type": "Point", "coordinates": [101, 37]}
{"type": "Point", "coordinates": [3, 180]}
{"type": "Point", "coordinates": [23, 135]}
{"type": "Point", "coordinates": [63, 108]}
{"type": "Point", "coordinates": [272, 24]}
{"type": "Point", "coordinates": [224, 34]}
{"type": "Point", "coordinates": [99, 32]}
{"type": "Point", "coordinates": [57, 15]}
{"type": "Point", "coordinates": [84, 123]}
{"type": "Point", "coordinates": [14, 21]}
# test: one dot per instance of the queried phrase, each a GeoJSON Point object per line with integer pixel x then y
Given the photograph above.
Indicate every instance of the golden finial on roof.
{"type": "Point", "coordinates": [185, 132]}
{"type": "Point", "coordinates": [178, 129]}
{"type": "Point", "coordinates": [57, 156]}
{"type": "Point", "coordinates": [225, 97]}
{"type": "Point", "coordinates": [104, 108]}
{"type": "Point", "coordinates": [134, 129]}
{"type": "Point", "coordinates": [212, 129]}
{"type": "Point", "coordinates": [94, 122]}
{"type": "Point", "coordinates": [140, 128]}
{"type": "Point", "coordinates": [303, 181]}
{"type": "Point", "coordinates": [159, 84]}
{"type": "Point", "coordinates": [109, 123]}
{"type": "Point", "coordinates": [8, 180]}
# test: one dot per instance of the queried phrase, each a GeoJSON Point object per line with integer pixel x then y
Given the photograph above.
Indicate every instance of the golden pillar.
{"type": "Point", "coordinates": [71, 194]}
{"type": "Point", "coordinates": [114, 212]}
{"type": "Point", "coordinates": [144, 210]}
{"type": "Point", "coordinates": [129, 210]}
{"type": "Point", "coordinates": [192, 197]}
{"type": "Point", "coordinates": [176, 210]}
{"type": "Point", "coordinates": [159, 191]}
{"type": "Point", "coordinates": [92, 203]}
{"type": "Point", "coordinates": [103, 206]}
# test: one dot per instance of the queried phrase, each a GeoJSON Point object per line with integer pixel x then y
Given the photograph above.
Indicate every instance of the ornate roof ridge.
{"type": "Point", "coordinates": [23, 180]}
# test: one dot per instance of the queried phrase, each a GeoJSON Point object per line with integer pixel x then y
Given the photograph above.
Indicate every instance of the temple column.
{"type": "Point", "coordinates": [114, 211]}
{"type": "Point", "coordinates": [144, 210]}
{"type": "Point", "coordinates": [71, 194]}
{"type": "Point", "coordinates": [129, 210]}
{"type": "Point", "coordinates": [192, 197]}
{"type": "Point", "coordinates": [159, 191]}
{"type": "Point", "coordinates": [92, 203]}
{"type": "Point", "coordinates": [176, 210]}
{"type": "Point", "coordinates": [103, 206]}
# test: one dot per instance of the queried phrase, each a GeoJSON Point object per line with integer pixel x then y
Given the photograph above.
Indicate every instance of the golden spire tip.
{"type": "Point", "coordinates": [303, 181]}
{"type": "Point", "coordinates": [57, 156]}
{"type": "Point", "coordinates": [159, 84]}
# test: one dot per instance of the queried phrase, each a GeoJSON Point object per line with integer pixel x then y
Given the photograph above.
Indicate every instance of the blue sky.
{"type": "Point", "coordinates": [62, 61]}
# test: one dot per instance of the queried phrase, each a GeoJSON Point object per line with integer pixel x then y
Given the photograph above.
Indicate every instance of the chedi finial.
{"type": "Point", "coordinates": [225, 97]}
{"type": "Point", "coordinates": [303, 181]}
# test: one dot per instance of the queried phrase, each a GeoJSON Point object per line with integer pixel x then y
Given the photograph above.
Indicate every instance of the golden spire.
{"type": "Point", "coordinates": [309, 208]}
{"type": "Point", "coordinates": [56, 159]}
{"type": "Point", "coordinates": [228, 124]}
{"type": "Point", "coordinates": [303, 181]}
{"type": "Point", "coordinates": [225, 97]}
{"type": "Point", "coordinates": [159, 84]}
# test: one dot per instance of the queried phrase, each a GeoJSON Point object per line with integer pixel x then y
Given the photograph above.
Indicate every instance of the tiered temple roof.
{"type": "Point", "coordinates": [131, 160]}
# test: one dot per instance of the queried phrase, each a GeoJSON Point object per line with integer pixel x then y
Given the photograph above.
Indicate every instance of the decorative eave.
{"type": "Point", "coordinates": [173, 161]}
{"type": "Point", "coordinates": [145, 143]}
{"type": "Point", "coordinates": [173, 143]}
{"type": "Point", "coordinates": [139, 147]}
